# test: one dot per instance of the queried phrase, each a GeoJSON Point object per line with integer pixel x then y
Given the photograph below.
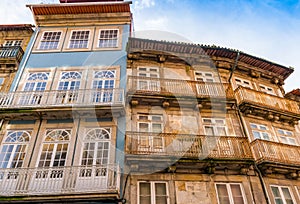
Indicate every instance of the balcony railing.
{"type": "Point", "coordinates": [54, 98]}
{"type": "Point", "coordinates": [176, 87]}
{"type": "Point", "coordinates": [60, 180]}
{"type": "Point", "coordinates": [188, 146]}
{"type": "Point", "coordinates": [268, 151]}
{"type": "Point", "coordinates": [246, 95]}
{"type": "Point", "coordinates": [11, 53]}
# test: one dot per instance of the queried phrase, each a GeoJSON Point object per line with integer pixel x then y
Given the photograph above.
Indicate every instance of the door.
{"type": "Point", "coordinates": [94, 169]}
{"type": "Point", "coordinates": [68, 88]}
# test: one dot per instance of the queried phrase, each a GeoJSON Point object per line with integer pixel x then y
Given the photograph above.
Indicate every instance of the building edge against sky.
{"type": "Point", "coordinates": [93, 113]}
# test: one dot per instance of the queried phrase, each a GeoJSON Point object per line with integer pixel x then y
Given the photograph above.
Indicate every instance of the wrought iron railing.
{"type": "Point", "coordinates": [60, 180]}
{"type": "Point", "coordinates": [190, 146]}
{"type": "Point", "coordinates": [176, 87]}
{"type": "Point", "coordinates": [55, 98]}
{"type": "Point", "coordinates": [11, 52]}
{"type": "Point", "coordinates": [246, 95]}
{"type": "Point", "coordinates": [268, 151]}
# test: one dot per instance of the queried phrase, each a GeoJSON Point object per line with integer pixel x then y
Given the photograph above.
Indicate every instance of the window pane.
{"type": "Point", "coordinates": [145, 194]}
{"type": "Point", "coordinates": [222, 194]}
{"type": "Point", "coordinates": [161, 193]}
{"type": "Point", "coordinates": [209, 130]}
{"type": "Point", "coordinates": [237, 193]}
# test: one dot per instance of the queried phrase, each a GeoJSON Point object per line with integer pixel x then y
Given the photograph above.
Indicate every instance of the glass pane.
{"type": "Point", "coordinates": [209, 130]}
{"type": "Point", "coordinates": [237, 193]}
{"type": "Point", "coordinates": [145, 193]}
{"type": "Point", "coordinates": [222, 194]}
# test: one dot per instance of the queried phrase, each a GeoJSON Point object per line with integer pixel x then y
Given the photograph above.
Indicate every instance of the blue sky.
{"type": "Point", "coordinates": [268, 29]}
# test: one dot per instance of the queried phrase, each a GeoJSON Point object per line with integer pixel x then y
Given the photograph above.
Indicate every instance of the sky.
{"type": "Point", "coordinates": [268, 29]}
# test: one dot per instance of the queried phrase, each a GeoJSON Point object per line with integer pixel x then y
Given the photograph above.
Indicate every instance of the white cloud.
{"type": "Point", "coordinates": [141, 4]}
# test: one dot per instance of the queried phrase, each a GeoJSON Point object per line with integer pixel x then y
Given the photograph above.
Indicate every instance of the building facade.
{"type": "Point", "coordinates": [62, 131]}
{"type": "Point", "coordinates": [92, 115]}
{"type": "Point", "coordinates": [208, 125]}
{"type": "Point", "coordinates": [13, 41]}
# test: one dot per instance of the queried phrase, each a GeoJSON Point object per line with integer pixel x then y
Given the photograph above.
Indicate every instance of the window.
{"type": "Point", "coordinates": [151, 124]}
{"type": "Point", "coordinates": [34, 86]}
{"type": "Point", "coordinates": [204, 76]}
{"type": "Point", "coordinates": [50, 40]}
{"type": "Point", "coordinates": [260, 131]}
{"type": "Point", "coordinates": [153, 193]}
{"type": "Point", "coordinates": [148, 78]}
{"type": "Point", "coordinates": [9, 43]}
{"type": "Point", "coordinates": [230, 193]}
{"type": "Point", "coordinates": [95, 152]}
{"type": "Point", "coordinates": [282, 195]}
{"type": "Point", "coordinates": [14, 148]}
{"type": "Point", "coordinates": [103, 84]}
{"type": "Point", "coordinates": [242, 82]}
{"type": "Point", "coordinates": [214, 127]}
{"type": "Point", "coordinates": [79, 39]}
{"type": "Point", "coordinates": [266, 89]}
{"type": "Point", "coordinates": [286, 137]}
{"type": "Point", "coordinates": [68, 86]}
{"type": "Point", "coordinates": [54, 148]}
{"type": "Point", "coordinates": [108, 38]}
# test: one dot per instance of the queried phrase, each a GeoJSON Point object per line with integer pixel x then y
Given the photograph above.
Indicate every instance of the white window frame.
{"type": "Point", "coordinates": [288, 135]}
{"type": "Point", "coordinates": [15, 143]}
{"type": "Point", "coordinates": [152, 191]}
{"type": "Point", "coordinates": [242, 83]}
{"type": "Point", "coordinates": [54, 151]}
{"type": "Point", "coordinates": [282, 194]}
{"type": "Point", "coordinates": [215, 125]}
{"type": "Point", "coordinates": [261, 130]}
{"type": "Point", "coordinates": [108, 39]}
{"type": "Point", "coordinates": [59, 42]}
{"type": "Point", "coordinates": [153, 141]}
{"type": "Point", "coordinates": [148, 78]}
{"type": "Point", "coordinates": [230, 195]}
{"type": "Point", "coordinates": [204, 76]}
{"type": "Point", "coordinates": [88, 40]}
{"type": "Point", "coordinates": [267, 89]}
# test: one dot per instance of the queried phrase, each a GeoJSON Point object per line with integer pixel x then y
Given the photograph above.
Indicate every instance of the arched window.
{"type": "Point", "coordinates": [36, 81]}
{"type": "Point", "coordinates": [96, 147]}
{"type": "Point", "coordinates": [70, 80]}
{"type": "Point", "coordinates": [55, 148]}
{"type": "Point", "coordinates": [14, 148]}
{"type": "Point", "coordinates": [105, 81]}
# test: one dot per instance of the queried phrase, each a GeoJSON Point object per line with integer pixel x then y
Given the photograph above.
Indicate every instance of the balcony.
{"type": "Point", "coordinates": [175, 88]}
{"type": "Point", "coordinates": [187, 146]}
{"type": "Point", "coordinates": [62, 99]}
{"type": "Point", "coordinates": [60, 181]}
{"type": "Point", "coordinates": [273, 152]}
{"type": "Point", "coordinates": [266, 105]}
{"type": "Point", "coordinates": [11, 55]}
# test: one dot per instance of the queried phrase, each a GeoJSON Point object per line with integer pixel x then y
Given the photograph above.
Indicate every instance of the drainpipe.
{"type": "Point", "coordinates": [122, 199]}
{"type": "Point", "coordinates": [234, 66]}
{"type": "Point", "coordinates": [264, 188]}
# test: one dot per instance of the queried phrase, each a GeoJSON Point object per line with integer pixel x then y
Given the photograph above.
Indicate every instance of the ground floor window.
{"type": "Point", "coordinates": [153, 193]}
{"type": "Point", "coordinates": [230, 193]}
{"type": "Point", "coordinates": [282, 195]}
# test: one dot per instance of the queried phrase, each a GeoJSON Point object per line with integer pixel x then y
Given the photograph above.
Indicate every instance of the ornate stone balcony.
{"type": "Point", "coordinates": [177, 91]}
{"type": "Point", "coordinates": [266, 105]}
{"type": "Point", "coordinates": [65, 181]}
{"type": "Point", "coordinates": [276, 157]}
{"type": "Point", "coordinates": [44, 101]}
{"type": "Point", "coordinates": [10, 56]}
{"type": "Point", "coordinates": [187, 146]}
